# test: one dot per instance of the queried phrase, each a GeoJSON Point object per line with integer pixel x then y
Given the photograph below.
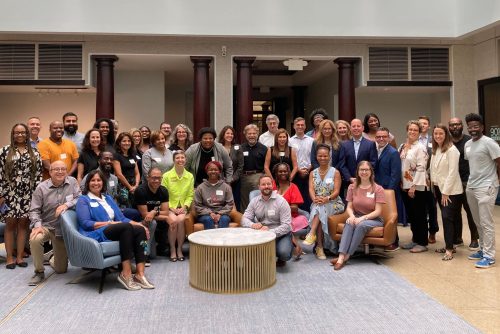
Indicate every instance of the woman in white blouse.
{"type": "Point", "coordinates": [414, 182]}
{"type": "Point", "coordinates": [447, 185]}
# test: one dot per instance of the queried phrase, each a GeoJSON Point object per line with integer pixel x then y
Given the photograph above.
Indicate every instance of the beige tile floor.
{"type": "Point", "coordinates": [472, 293]}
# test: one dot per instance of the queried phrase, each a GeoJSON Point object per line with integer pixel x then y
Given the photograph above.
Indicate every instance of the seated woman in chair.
{"type": "Point", "coordinates": [365, 199]}
{"type": "Point", "coordinates": [100, 218]}
{"type": "Point", "coordinates": [291, 194]}
{"type": "Point", "coordinates": [213, 199]}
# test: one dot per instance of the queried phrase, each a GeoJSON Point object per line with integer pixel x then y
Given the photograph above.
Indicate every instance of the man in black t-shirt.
{"type": "Point", "coordinates": [459, 139]}
{"type": "Point", "coordinates": [151, 199]}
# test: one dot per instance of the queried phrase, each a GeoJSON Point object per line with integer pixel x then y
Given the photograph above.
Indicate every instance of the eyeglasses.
{"type": "Point", "coordinates": [381, 137]}
{"type": "Point", "coordinates": [58, 169]}
{"type": "Point", "coordinates": [365, 170]}
{"type": "Point", "coordinates": [20, 133]}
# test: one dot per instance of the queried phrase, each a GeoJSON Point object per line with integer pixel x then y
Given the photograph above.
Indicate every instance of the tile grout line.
{"type": "Point", "coordinates": [24, 301]}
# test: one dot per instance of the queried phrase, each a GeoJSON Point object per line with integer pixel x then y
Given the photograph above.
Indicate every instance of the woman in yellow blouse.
{"type": "Point", "coordinates": [180, 185]}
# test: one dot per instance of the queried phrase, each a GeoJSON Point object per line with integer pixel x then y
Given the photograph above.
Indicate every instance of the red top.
{"type": "Point", "coordinates": [292, 196]}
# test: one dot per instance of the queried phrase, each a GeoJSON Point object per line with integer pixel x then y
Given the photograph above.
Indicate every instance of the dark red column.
{"type": "Point", "coordinates": [105, 99]}
{"type": "Point", "coordinates": [244, 100]}
{"type": "Point", "coordinates": [347, 99]}
{"type": "Point", "coordinates": [201, 96]}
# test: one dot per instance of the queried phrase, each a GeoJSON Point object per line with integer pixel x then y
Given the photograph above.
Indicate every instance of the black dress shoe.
{"type": "Point", "coordinates": [22, 264]}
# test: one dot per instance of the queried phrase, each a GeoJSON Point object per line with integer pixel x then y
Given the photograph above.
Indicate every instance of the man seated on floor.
{"type": "Point", "coordinates": [269, 211]}
{"type": "Point", "coordinates": [51, 198]}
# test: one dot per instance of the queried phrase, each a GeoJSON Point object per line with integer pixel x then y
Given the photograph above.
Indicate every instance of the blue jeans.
{"type": "Point", "coordinates": [284, 247]}
{"type": "Point", "coordinates": [209, 223]}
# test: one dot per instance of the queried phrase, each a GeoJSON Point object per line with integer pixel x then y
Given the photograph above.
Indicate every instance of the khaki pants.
{"type": "Point", "coordinates": [60, 256]}
{"type": "Point", "coordinates": [248, 183]}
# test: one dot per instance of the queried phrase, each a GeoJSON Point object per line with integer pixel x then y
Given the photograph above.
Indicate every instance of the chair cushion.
{"type": "Point", "coordinates": [110, 248]}
{"type": "Point", "coordinates": [376, 232]}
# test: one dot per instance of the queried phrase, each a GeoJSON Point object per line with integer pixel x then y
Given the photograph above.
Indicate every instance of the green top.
{"type": "Point", "coordinates": [180, 189]}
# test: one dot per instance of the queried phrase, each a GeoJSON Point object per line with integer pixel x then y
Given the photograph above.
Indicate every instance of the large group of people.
{"type": "Point", "coordinates": [134, 185]}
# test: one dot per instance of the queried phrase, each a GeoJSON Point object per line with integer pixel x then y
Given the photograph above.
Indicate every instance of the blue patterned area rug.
{"type": "Point", "coordinates": [308, 297]}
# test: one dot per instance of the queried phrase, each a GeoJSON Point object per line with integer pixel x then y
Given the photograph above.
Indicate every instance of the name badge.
{"type": "Point", "coordinates": [69, 198]}
{"type": "Point", "coordinates": [138, 157]}
{"type": "Point", "coordinates": [62, 156]}
{"type": "Point", "coordinates": [282, 154]}
{"type": "Point", "coordinates": [271, 212]}
{"type": "Point", "coordinates": [213, 158]}
{"type": "Point", "coordinates": [94, 204]}
{"type": "Point", "coordinates": [429, 145]}
{"type": "Point", "coordinates": [467, 149]}
{"type": "Point", "coordinates": [236, 147]}
{"type": "Point", "coordinates": [329, 180]}
{"type": "Point", "coordinates": [370, 195]}
{"type": "Point", "coordinates": [132, 161]}
{"type": "Point", "coordinates": [111, 183]}
{"type": "Point", "coordinates": [219, 192]}
{"type": "Point", "coordinates": [158, 160]}
{"type": "Point", "coordinates": [245, 154]}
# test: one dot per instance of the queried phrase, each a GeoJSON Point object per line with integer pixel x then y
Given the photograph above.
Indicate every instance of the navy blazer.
{"type": "Point", "coordinates": [388, 170]}
{"type": "Point", "coordinates": [347, 158]}
{"type": "Point", "coordinates": [334, 160]}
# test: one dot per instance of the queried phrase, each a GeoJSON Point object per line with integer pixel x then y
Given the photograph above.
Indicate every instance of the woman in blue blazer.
{"type": "Point", "coordinates": [100, 218]}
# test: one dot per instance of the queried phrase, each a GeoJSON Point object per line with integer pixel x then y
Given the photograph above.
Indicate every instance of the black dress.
{"type": "Point", "coordinates": [281, 158]}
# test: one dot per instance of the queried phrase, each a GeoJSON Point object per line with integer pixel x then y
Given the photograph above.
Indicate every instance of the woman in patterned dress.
{"type": "Point", "coordinates": [324, 188]}
{"type": "Point", "coordinates": [20, 173]}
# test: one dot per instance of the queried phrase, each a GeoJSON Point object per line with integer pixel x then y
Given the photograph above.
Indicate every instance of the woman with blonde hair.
{"type": "Point", "coordinates": [343, 130]}
{"type": "Point", "coordinates": [327, 134]}
{"type": "Point", "coordinates": [20, 173]}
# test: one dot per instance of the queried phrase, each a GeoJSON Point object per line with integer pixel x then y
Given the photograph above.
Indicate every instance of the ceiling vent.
{"type": "Point", "coordinates": [59, 61]}
{"type": "Point", "coordinates": [17, 61]}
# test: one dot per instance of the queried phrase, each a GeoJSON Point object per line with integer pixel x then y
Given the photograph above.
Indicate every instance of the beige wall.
{"type": "Point", "coordinates": [395, 109]}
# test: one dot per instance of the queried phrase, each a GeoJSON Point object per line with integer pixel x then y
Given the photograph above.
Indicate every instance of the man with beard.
{"type": "Point", "coordinates": [254, 156]}
{"type": "Point", "coordinates": [459, 139]}
{"type": "Point", "coordinates": [106, 167]}
{"type": "Point", "coordinates": [166, 129]}
{"type": "Point", "coordinates": [483, 154]}
{"type": "Point", "coordinates": [57, 148]}
{"type": "Point", "coordinates": [70, 122]}
{"type": "Point", "coordinates": [271, 212]}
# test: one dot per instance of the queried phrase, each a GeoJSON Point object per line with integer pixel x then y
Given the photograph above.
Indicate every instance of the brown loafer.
{"type": "Point", "coordinates": [338, 265]}
{"type": "Point", "coordinates": [334, 261]}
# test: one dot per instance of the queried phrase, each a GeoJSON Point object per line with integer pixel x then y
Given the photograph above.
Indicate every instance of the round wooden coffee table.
{"type": "Point", "coordinates": [232, 260]}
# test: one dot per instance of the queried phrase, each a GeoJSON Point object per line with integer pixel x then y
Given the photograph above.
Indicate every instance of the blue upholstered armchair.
{"type": "Point", "coordinates": [86, 252]}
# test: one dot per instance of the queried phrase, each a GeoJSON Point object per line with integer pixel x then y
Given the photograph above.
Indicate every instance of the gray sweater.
{"type": "Point", "coordinates": [220, 154]}
{"type": "Point", "coordinates": [216, 198]}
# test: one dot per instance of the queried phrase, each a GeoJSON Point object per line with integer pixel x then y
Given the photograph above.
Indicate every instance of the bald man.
{"type": "Point", "coordinates": [50, 199]}
{"type": "Point", "coordinates": [57, 148]}
{"type": "Point", "coordinates": [355, 150]}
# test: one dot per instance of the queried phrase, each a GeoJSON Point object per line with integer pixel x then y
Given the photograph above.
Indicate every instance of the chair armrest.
{"type": "Point", "coordinates": [235, 216]}
{"type": "Point", "coordinates": [334, 220]}
{"type": "Point", "coordinates": [189, 221]}
{"type": "Point", "coordinates": [390, 228]}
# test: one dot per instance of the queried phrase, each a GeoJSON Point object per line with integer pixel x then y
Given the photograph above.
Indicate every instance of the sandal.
{"type": "Point", "coordinates": [173, 259]}
{"type": "Point", "coordinates": [443, 250]}
{"type": "Point", "coordinates": [181, 258]}
{"type": "Point", "coordinates": [447, 257]}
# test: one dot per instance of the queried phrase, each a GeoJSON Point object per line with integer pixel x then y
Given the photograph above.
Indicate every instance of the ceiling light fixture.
{"type": "Point", "coordinates": [295, 64]}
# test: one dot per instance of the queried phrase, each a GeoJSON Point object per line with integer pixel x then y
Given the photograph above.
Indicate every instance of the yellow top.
{"type": "Point", "coordinates": [180, 189]}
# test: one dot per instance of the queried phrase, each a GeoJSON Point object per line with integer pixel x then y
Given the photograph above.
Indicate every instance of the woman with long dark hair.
{"type": "Point", "coordinates": [281, 152]}
{"type": "Point", "coordinates": [20, 173]}
{"type": "Point", "coordinates": [107, 129]}
{"type": "Point", "coordinates": [126, 169]}
{"type": "Point", "coordinates": [92, 147]}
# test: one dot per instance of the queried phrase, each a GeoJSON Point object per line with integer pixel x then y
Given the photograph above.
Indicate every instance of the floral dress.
{"type": "Point", "coordinates": [324, 187]}
{"type": "Point", "coordinates": [18, 190]}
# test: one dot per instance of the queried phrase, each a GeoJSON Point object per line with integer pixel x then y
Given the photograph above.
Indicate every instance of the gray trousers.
{"type": "Point", "coordinates": [354, 234]}
{"type": "Point", "coordinates": [481, 202]}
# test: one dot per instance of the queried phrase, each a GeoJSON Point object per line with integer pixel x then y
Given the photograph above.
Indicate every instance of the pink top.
{"type": "Point", "coordinates": [363, 200]}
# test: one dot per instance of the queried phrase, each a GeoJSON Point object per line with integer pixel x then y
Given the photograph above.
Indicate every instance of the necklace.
{"type": "Point", "coordinates": [207, 151]}
{"type": "Point", "coordinates": [322, 173]}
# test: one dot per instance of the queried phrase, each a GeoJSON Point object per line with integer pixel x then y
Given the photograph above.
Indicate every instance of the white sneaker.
{"type": "Point", "coordinates": [128, 283]}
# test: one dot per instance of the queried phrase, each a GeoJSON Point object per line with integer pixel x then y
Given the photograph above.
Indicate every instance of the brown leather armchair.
{"type": "Point", "coordinates": [192, 226]}
{"type": "Point", "coordinates": [378, 236]}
